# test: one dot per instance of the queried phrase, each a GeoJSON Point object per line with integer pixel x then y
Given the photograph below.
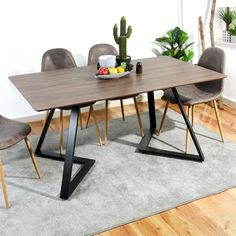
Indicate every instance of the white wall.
{"type": "Point", "coordinates": [194, 9]}
{"type": "Point", "coordinates": [32, 27]}
{"type": "Point", "coordinates": [230, 50]}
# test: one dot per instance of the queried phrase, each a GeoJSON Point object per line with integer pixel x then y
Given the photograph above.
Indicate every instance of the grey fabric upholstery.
{"type": "Point", "coordinates": [213, 58]}
{"type": "Point", "coordinates": [59, 58]}
{"type": "Point", "coordinates": [12, 132]}
{"type": "Point", "coordinates": [98, 50]}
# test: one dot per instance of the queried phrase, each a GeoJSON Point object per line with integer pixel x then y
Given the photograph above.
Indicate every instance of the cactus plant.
{"type": "Point", "coordinates": [121, 40]}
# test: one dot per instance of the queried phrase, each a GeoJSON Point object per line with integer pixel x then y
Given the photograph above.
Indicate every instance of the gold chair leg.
{"type": "Point", "coordinates": [61, 132]}
{"type": "Point", "coordinates": [4, 189]}
{"type": "Point", "coordinates": [80, 121]}
{"type": "Point", "coordinates": [28, 145]}
{"type": "Point", "coordinates": [193, 113]}
{"type": "Point", "coordinates": [189, 112]}
{"type": "Point", "coordinates": [89, 114]}
{"type": "Point", "coordinates": [96, 126]}
{"type": "Point", "coordinates": [122, 109]}
{"type": "Point", "coordinates": [212, 103]}
{"type": "Point", "coordinates": [138, 116]}
{"type": "Point", "coordinates": [106, 122]}
{"type": "Point", "coordinates": [163, 118]}
{"type": "Point", "coordinates": [46, 116]}
{"type": "Point", "coordinates": [218, 120]}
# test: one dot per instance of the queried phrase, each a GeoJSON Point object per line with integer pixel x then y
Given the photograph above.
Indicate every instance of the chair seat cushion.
{"type": "Point", "coordinates": [12, 132]}
{"type": "Point", "coordinates": [190, 95]}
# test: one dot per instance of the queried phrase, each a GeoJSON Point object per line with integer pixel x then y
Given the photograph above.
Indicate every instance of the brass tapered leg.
{"type": "Point", "coordinates": [122, 109]}
{"type": "Point", "coordinates": [193, 112]}
{"type": "Point", "coordinates": [163, 118]}
{"type": "Point", "coordinates": [106, 122]}
{"type": "Point", "coordinates": [46, 116]}
{"type": "Point", "coordinates": [80, 121]}
{"type": "Point", "coordinates": [4, 189]}
{"type": "Point", "coordinates": [212, 103]}
{"type": "Point", "coordinates": [138, 116]}
{"type": "Point", "coordinates": [89, 114]}
{"type": "Point", "coordinates": [96, 126]}
{"type": "Point", "coordinates": [28, 145]}
{"type": "Point", "coordinates": [189, 112]}
{"type": "Point", "coordinates": [218, 120]}
{"type": "Point", "coordinates": [61, 132]}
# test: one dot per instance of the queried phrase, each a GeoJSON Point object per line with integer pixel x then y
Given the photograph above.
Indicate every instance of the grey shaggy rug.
{"type": "Point", "coordinates": [121, 187]}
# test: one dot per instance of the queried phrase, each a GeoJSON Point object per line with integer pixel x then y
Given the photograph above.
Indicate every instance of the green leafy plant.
{"type": "Point", "coordinates": [227, 15]}
{"type": "Point", "coordinates": [175, 44]}
{"type": "Point", "coordinates": [232, 31]}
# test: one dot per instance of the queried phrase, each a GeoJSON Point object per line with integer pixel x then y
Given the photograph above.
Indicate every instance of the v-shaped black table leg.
{"type": "Point", "coordinates": [143, 145]}
{"type": "Point", "coordinates": [69, 183]}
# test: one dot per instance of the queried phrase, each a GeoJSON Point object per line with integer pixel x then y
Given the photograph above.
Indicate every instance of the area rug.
{"type": "Point", "coordinates": [122, 186]}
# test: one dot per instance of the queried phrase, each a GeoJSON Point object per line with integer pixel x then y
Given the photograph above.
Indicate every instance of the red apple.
{"type": "Point", "coordinates": [103, 71]}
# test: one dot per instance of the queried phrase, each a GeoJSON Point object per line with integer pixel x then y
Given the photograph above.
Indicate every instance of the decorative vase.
{"type": "Point", "coordinates": [226, 36]}
{"type": "Point", "coordinates": [233, 38]}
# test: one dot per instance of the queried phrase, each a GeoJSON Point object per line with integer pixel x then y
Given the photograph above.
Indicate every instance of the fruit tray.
{"type": "Point", "coordinates": [113, 76]}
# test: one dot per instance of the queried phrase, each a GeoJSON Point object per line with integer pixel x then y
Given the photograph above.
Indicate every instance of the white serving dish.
{"type": "Point", "coordinates": [113, 76]}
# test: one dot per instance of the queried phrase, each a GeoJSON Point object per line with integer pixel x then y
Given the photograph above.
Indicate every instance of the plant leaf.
{"type": "Point", "coordinates": [160, 40]}
{"type": "Point", "coordinates": [174, 44]}
{"type": "Point", "coordinates": [188, 45]}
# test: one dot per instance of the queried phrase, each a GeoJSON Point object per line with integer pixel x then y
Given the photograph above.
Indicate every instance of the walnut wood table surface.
{"type": "Point", "coordinates": [71, 87]}
{"type": "Point", "coordinates": [67, 87]}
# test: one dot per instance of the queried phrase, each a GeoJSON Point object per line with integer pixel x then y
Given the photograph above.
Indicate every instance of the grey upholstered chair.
{"type": "Point", "coordinates": [212, 58]}
{"type": "Point", "coordinates": [59, 58]}
{"type": "Point", "coordinates": [12, 132]}
{"type": "Point", "coordinates": [94, 53]}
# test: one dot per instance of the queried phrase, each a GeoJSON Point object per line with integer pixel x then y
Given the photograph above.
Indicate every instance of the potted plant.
{"type": "Point", "coordinates": [232, 32]}
{"type": "Point", "coordinates": [121, 40]}
{"type": "Point", "coordinates": [227, 15]}
{"type": "Point", "coordinates": [175, 44]}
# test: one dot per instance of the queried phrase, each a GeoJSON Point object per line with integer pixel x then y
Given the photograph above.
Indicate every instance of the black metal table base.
{"type": "Point", "coordinates": [69, 182]}
{"type": "Point", "coordinates": [143, 145]}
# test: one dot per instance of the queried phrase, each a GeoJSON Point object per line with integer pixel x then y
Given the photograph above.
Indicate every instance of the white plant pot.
{"type": "Point", "coordinates": [233, 38]}
{"type": "Point", "coordinates": [226, 37]}
{"type": "Point", "coordinates": [107, 60]}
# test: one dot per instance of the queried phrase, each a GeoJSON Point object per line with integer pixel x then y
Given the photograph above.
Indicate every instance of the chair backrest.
{"type": "Point", "coordinates": [212, 58]}
{"type": "Point", "coordinates": [57, 58]}
{"type": "Point", "coordinates": [100, 49]}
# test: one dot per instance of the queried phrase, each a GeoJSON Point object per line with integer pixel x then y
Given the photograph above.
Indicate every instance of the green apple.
{"type": "Point", "coordinates": [123, 65]}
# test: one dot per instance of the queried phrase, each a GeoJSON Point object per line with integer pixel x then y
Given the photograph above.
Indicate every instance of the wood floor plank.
{"type": "Point", "coordinates": [162, 228]}
{"type": "Point", "coordinates": [190, 212]}
{"type": "Point", "coordinates": [232, 192]}
{"type": "Point", "coordinates": [180, 225]}
{"type": "Point", "coordinates": [140, 228]}
{"type": "Point", "coordinates": [218, 213]}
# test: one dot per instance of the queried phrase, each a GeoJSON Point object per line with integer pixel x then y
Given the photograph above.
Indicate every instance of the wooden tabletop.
{"type": "Point", "coordinates": [67, 87]}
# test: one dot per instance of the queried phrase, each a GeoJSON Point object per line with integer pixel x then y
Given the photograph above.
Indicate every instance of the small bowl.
{"type": "Point", "coordinates": [107, 60]}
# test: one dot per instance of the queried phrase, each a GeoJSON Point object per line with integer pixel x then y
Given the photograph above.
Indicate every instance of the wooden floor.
{"type": "Point", "coordinates": [214, 215]}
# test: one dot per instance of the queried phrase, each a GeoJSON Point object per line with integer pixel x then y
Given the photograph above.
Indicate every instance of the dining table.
{"type": "Point", "coordinates": [74, 86]}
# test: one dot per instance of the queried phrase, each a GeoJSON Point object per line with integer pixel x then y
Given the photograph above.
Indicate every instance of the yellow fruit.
{"type": "Point", "coordinates": [120, 69]}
